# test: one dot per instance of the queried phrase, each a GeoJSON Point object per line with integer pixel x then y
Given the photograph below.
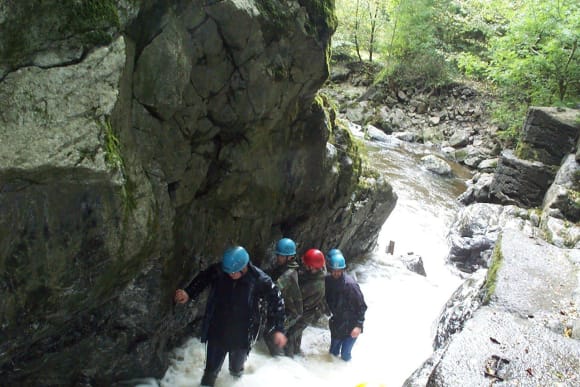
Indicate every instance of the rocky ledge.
{"type": "Point", "coordinates": [520, 328]}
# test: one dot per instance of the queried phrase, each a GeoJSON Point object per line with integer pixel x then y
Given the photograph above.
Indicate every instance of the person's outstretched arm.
{"type": "Point", "coordinates": [197, 285]}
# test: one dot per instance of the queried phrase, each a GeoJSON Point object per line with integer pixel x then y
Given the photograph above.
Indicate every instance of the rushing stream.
{"type": "Point", "coordinates": [403, 306]}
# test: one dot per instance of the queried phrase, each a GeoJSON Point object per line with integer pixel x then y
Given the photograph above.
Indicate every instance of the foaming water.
{"type": "Point", "coordinates": [402, 306]}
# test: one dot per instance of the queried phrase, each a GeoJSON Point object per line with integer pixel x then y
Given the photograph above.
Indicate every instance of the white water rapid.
{"type": "Point", "coordinates": [402, 306]}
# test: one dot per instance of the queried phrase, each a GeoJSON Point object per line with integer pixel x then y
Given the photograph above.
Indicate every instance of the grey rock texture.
{"type": "Point", "coordinates": [549, 134]}
{"type": "Point", "coordinates": [436, 165]}
{"type": "Point", "coordinates": [138, 140]}
{"type": "Point", "coordinates": [520, 182]}
{"type": "Point", "coordinates": [524, 177]}
{"type": "Point", "coordinates": [560, 199]}
{"type": "Point", "coordinates": [523, 324]}
{"type": "Point", "coordinates": [523, 333]}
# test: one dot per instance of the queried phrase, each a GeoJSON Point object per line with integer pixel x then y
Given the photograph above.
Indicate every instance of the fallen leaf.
{"type": "Point", "coordinates": [529, 371]}
{"type": "Point", "coordinates": [494, 340]}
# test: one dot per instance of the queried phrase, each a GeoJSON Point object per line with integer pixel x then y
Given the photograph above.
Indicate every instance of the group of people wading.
{"type": "Point", "coordinates": [294, 295]}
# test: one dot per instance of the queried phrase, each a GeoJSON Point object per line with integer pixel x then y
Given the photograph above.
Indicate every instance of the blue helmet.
{"type": "Point", "coordinates": [286, 247]}
{"type": "Point", "coordinates": [337, 262]}
{"type": "Point", "coordinates": [235, 259]}
{"type": "Point", "coordinates": [332, 252]}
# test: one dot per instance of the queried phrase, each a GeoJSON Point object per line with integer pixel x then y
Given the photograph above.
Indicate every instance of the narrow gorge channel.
{"type": "Point", "coordinates": [403, 306]}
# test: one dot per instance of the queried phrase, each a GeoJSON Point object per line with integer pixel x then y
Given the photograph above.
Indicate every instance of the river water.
{"type": "Point", "coordinates": [402, 306]}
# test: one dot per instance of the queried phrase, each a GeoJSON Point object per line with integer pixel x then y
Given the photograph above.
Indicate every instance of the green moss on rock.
{"type": "Point", "coordinates": [30, 27]}
{"type": "Point", "coordinates": [92, 18]}
{"type": "Point", "coordinates": [491, 279]}
{"type": "Point", "coordinates": [322, 17]}
{"type": "Point", "coordinates": [275, 19]}
{"type": "Point", "coordinates": [322, 20]}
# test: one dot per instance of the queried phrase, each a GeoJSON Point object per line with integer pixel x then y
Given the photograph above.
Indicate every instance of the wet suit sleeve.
{"type": "Point", "coordinates": [358, 304]}
{"type": "Point", "coordinates": [292, 298]}
{"type": "Point", "coordinates": [201, 281]}
{"type": "Point", "coordinates": [275, 304]}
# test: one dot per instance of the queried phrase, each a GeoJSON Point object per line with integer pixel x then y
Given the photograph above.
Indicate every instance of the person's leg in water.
{"type": "Point", "coordinates": [298, 344]}
{"type": "Point", "coordinates": [346, 348]}
{"type": "Point", "coordinates": [237, 360]}
{"type": "Point", "coordinates": [293, 344]}
{"type": "Point", "coordinates": [214, 359]}
{"type": "Point", "coordinates": [335, 344]}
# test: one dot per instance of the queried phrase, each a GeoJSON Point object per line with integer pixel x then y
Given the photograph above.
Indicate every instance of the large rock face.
{"type": "Point", "coordinates": [522, 335]}
{"type": "Point", "coordinates": [518, 327]}
{"type": "Point", "coordinates": [523, 178]}
{"type": "Point", "coordinates": [137, 141]}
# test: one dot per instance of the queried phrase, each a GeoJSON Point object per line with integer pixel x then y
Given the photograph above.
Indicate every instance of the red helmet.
{"type": "Point", "coordinates": [314, 258]}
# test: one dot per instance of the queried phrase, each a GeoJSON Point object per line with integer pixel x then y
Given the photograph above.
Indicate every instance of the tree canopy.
{"type": "Point", "coordinates": [527, 50]}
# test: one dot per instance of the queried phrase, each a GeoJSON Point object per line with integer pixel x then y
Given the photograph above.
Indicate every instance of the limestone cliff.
{"type": "Point", "coordinates": [138, 139]}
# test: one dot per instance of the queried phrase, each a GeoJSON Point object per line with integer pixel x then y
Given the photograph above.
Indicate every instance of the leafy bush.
{"type": "Point", "coordinates": [427, 69]}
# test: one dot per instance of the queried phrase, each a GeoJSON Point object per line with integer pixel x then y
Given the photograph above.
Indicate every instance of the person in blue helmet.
{"type": "Point", "coordinates": [285, 275]}
{"type": "Point", "coordinates": [232, 317]}
{"type": "Point", "coordinates": [347, 306]}
{"type": "Point", "coordinates": [330, 253]}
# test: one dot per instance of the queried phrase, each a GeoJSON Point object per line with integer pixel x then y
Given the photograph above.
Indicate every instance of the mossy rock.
{"type": "Point", "coordinates": [33, 26]}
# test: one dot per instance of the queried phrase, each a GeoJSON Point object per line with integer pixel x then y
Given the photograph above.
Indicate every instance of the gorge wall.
{"type": "Point", "coordinates": [138, 140]}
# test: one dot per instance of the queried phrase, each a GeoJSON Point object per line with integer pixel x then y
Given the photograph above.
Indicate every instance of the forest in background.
{"type": "Point", "coordinates": [524, 51]}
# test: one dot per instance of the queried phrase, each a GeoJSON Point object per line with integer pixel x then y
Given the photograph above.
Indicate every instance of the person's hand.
{"type": "Point", "coordinates": [279, 339]}
{"type": "Point", "coordinates": [355, 332]}
{"type": "Point", "coordinates": [181, 296]}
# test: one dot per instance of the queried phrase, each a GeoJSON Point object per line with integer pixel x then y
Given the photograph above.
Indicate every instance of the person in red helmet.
{"type": "Point", "coordinates": [311, 280]}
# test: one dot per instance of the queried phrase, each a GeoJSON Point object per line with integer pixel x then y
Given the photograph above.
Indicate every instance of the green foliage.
{"type": "Point", "coordinates": [361, 30]}
{"type": "Point", "coordinates": [508, 114]}
{"type": "Point", "coordinates": [471, 65]}
{"type": "Point", "coordinates": [115, 161]}
{"type": "Point", "coordinates": [415, 52]}
{"type": "Point", "coordinates": [428, 69]}
{"type": "Point", "coordinates": [112, 150]}
{"type": "Point", "coordinates": [92, 13]}
{"type": "Point", "coordinates": [527, 50]}
{"type": "Point", "coordinates": [538, 54]}
{"type": "Point", "coordinates": [535, 61]}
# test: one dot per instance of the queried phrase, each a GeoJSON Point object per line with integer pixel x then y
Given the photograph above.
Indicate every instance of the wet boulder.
{"type": "Point", "coordinates": [477, 189]}
{"type": "Point", "coordinates": [524, 177]}
{"type": "Point", "coordinates": [561, 200]}
{"type": "Point", "coordinates": [520, 182]}
{"type": "Point", "coordinates": [459, 308]}
{"type": "Point", "coordinates": [375, 134]}
{"type": "Point", "coordinates": [488, 165]}
{"type": "Point", "coordinates": [414, 263]}
{"type": "Point", "coordinates": [549, 134]}
{"type": "Point", "coordinates": [436, 165]}
{"type": "Point", "coordinates": [473, 234]}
